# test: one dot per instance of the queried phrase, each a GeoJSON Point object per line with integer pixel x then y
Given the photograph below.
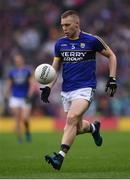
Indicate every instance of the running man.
{"type": "Point", "coordinates": [19, 93]}
{"type": "Point", "coordinates": [76, 52]}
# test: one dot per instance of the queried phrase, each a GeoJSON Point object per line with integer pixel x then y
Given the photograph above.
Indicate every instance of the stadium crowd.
{"type": "Point", "coordinates": [32, 27]}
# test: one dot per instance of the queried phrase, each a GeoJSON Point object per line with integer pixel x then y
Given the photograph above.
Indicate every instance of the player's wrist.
{"type": "Point", "coordinates": [45, 87]}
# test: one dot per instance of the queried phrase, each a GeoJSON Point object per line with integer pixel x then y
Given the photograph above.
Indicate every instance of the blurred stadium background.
{"type": "Point", "coordinates": [32, 27]}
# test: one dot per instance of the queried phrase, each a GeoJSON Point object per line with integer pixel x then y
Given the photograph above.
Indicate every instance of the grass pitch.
{"type": "Point", "coordinates": [85, 159]}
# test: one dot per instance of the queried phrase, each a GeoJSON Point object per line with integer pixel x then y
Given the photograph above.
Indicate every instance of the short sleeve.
{"type": "Point", "coordinates": [99, 44]}
{"type": "Point", "coordinates": [29, 72]}
{"type": "Point", "coordinates": [57, 50]}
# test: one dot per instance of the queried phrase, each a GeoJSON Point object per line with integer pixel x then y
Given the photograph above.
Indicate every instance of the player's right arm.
{"type": "Point", "coordinates": [56, 65]}
{"type": "Point", "coordinates": [8, 88]}
{"type": "Point", "coordinates": [56, 62]}
{"type": "Point", "coordinates": [46, 90]}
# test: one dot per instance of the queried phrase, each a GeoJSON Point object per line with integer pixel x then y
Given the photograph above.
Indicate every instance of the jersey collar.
{"type": "Point", "coordinates": [73, 39]}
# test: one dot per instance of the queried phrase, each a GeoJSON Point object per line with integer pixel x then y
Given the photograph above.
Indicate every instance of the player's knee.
{"type": "Point", "coordinates": [72, 119]}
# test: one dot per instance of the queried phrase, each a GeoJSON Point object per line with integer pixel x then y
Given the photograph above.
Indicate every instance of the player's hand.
{"type": "Point", "coordinates": [111, 86]}
{"type": "Point", "coordinates": [45, 94]}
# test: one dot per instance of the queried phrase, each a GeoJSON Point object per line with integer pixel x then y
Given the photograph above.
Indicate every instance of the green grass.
{"type": "Point", "coordinates": [84, 160]}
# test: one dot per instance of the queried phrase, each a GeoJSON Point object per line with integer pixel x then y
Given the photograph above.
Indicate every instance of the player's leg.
{"type": "Point", "coordinates": [16, 115]}
{"type": "Point", "coordinates": [74, 116]}
{"type": "Point", "coordinates": [25, 116]}
{"type": "Point", "coordinates": [75, 113]}
{"type": "Point", "coordinates": [76, 124]}
{"type": "Point", "coordinates": [85, 126]}
{"type": "Point", "coordinates": [14, 105]}
{"type": "Point", "coordinates": [94, 128]}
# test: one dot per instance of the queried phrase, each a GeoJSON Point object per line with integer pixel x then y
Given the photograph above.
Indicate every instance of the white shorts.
{"type": "Point", "coordinates": [15, 102]}
{"type": "Point", "coordinates": [83, 93]}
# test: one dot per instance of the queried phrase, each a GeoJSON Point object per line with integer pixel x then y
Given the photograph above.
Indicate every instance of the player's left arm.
{"type": "Point", "coordinates": [107, 52]}
{"type": "Point", "coordinates": [111, 85]}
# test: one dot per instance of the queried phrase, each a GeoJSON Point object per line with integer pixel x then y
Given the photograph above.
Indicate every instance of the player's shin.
{"type": "Point", "coordinates": [67, 139]}
{"type": "Point", "coordinates": [26, 124]}
{"type": "Point", "coordinates": [64, 149]}
{"type": "Point", "coordinates": [19, 131]}
{"type": "Point", "coordinates": [27, 131]}
{"type": "Point", "coordinates": [84, 127]}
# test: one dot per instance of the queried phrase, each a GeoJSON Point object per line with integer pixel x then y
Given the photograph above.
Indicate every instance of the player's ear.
{"type": "Point", "coordinates": [77, 24]}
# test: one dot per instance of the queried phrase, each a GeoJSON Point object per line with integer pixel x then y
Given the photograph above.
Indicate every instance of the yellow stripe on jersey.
{"type": "Point", "coordinates": [74, 38]}
{"type": "Point", "coordinates": [87, 33]}
{"type": "Point", "coordinates": [101, 40]}
{"type": "Point", "coordinates": [57, 58]}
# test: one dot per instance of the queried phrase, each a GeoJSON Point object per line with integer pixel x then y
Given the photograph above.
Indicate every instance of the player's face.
{"type": "Point", "coordinates": [18, 60]}
{"type": "Point", "coordinates": [70, 26]}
